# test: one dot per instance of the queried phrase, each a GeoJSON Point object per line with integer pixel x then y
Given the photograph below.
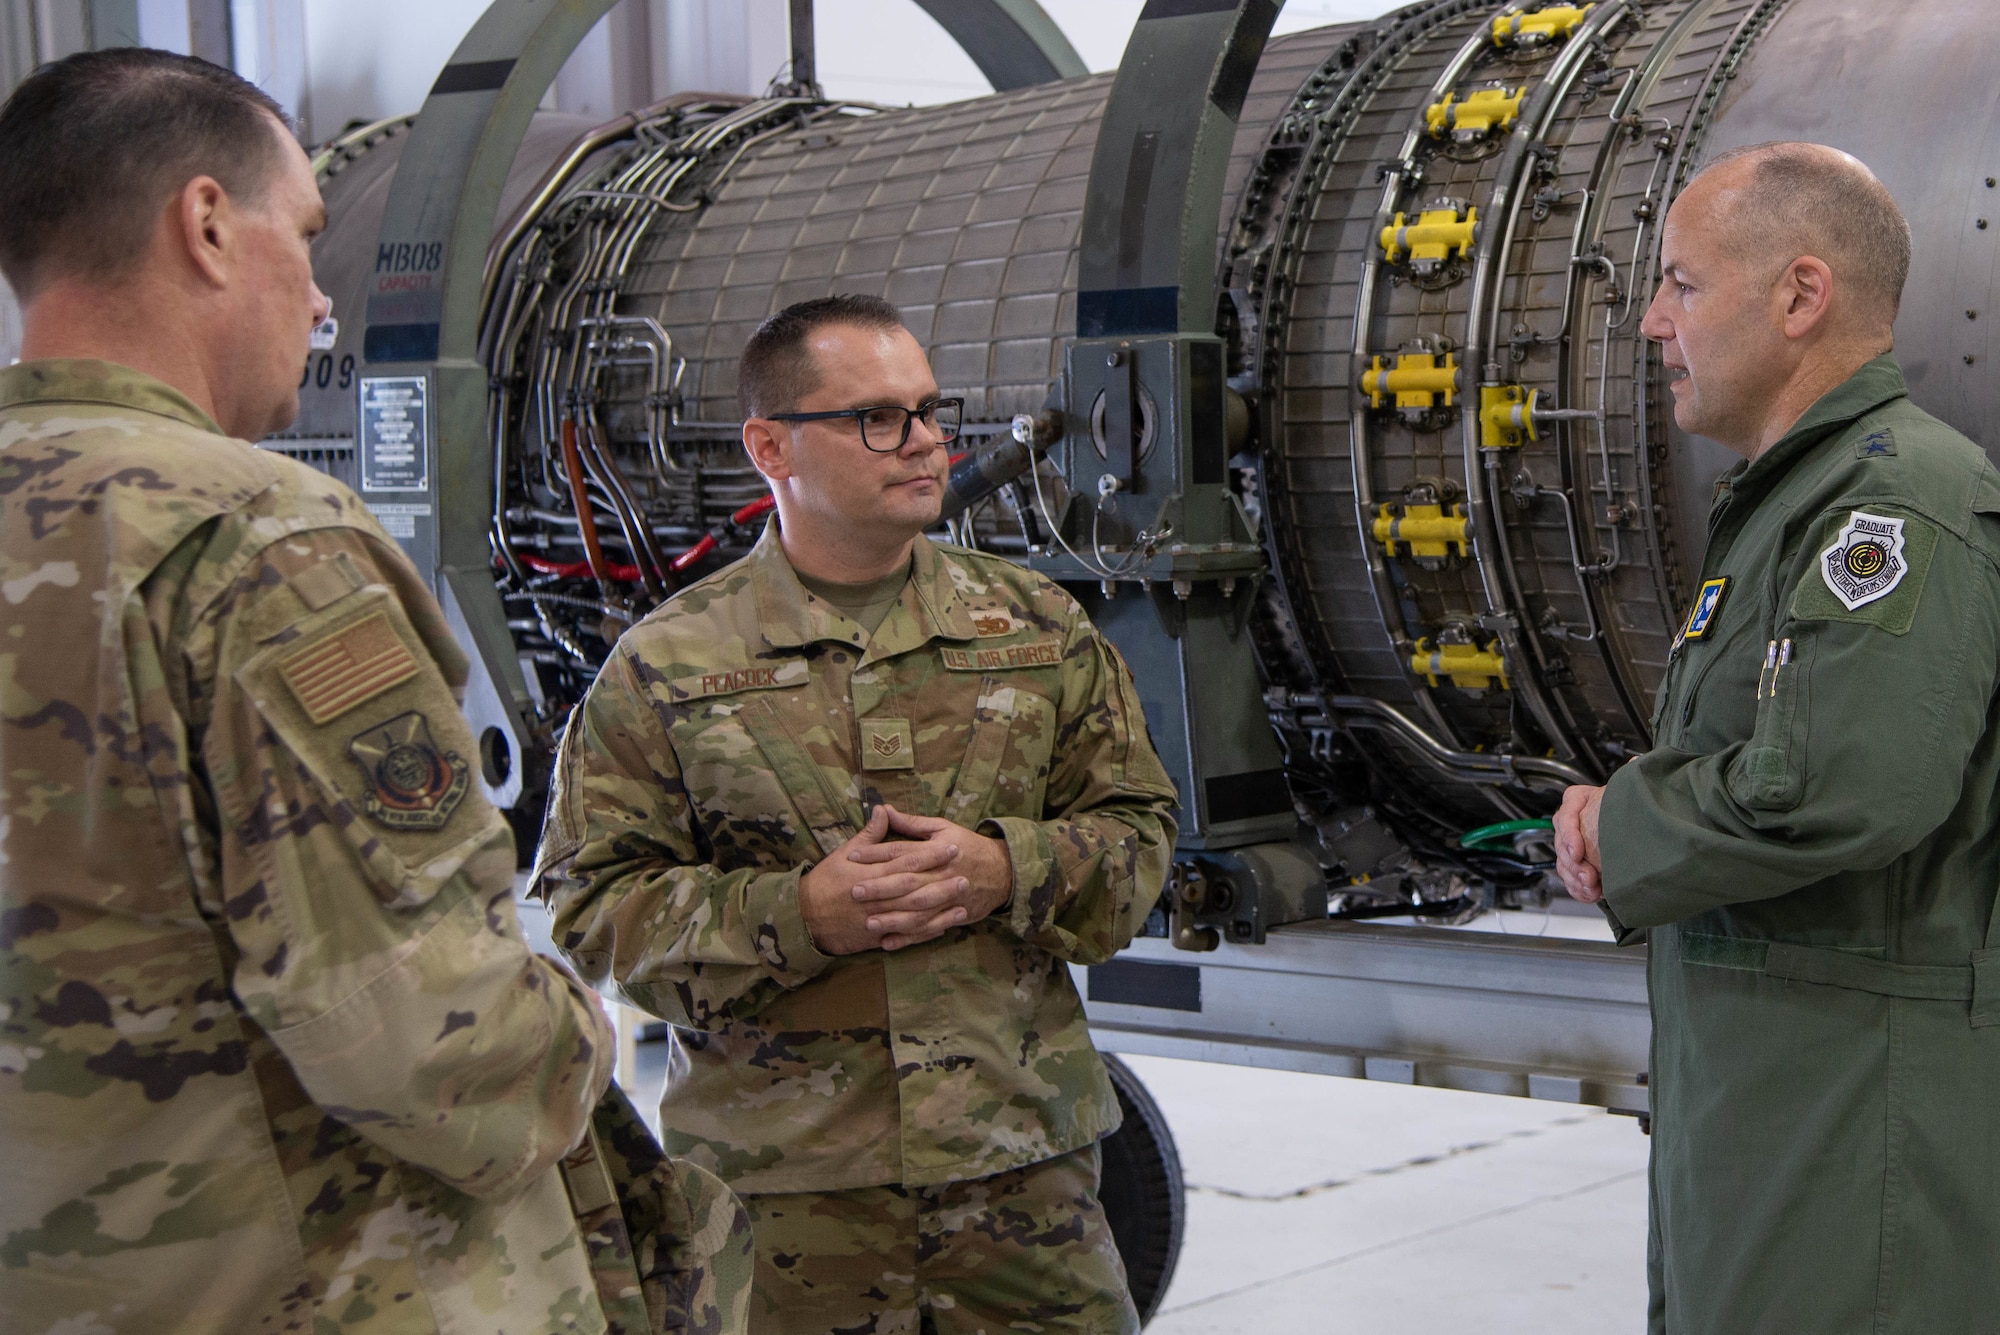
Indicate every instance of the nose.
{"type": "Point", "coordinates": [322, 305]}
{"type": "Point", "coordinates": [921, 440]}
{"type": "Point", "coordinates": [1655, 325]}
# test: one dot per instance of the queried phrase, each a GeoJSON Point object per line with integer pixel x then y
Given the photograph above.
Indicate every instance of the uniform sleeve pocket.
{"type": "Point", "coordinates": [1770, 773]}
{"type": "Point", "coordinates": [352, 696]}
{"type": "Point", "coordinates": [1006, 765]}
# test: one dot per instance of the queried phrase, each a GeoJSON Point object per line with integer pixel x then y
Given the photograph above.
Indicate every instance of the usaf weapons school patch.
{"type": "Point", "coordinates": [1871, 570]}
{"type": "Point", "coordinates": [1865, 561]}
{"type": "Point", "coordinates": [412, 785]}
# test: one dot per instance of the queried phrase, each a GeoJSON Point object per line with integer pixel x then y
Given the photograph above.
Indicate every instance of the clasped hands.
{"type": "Point", "coordinates": [873, 892]}
{"type": "Point", "coordinates": [1578, 860]}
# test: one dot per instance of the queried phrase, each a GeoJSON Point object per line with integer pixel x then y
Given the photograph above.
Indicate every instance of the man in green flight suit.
{"type": "Point", "coordinates": [844, 813]}
{"type": "Point", "coordinates": [274, 1055]}
{"type": "Point", "coordinates": [1812, 847]}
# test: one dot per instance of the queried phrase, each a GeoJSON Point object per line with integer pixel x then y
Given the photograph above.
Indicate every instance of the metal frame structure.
{"type": "Point", "coordinates": [1555, 1019]}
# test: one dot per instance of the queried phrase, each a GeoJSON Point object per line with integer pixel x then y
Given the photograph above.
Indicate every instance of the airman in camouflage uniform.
{"type": "Point", "coordinates": [273, 1053]}
{"type": "Point", "coordinates": [909, 1107]}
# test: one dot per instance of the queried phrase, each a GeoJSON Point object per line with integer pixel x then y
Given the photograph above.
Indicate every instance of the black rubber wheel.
{"type": "Point", "coordinates": [1141, 1191]}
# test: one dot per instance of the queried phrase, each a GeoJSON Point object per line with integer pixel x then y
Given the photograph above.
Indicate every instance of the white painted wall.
{"type": "Point", "coordinates": [373, 58]}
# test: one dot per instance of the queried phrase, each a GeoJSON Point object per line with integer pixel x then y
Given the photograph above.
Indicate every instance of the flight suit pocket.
{"type": "Point", "coordinates": [1770, 773]}
{"type": "Point", "coordinates": [1006, 765]}
{"type": "Point", "coordinates": [353, 695]}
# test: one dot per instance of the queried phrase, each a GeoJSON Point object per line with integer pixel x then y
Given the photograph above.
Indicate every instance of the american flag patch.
{"type": "Point", "coordinates": [341, 671]}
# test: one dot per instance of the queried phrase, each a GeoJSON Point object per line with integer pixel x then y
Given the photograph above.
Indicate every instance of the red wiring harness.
{"type": "Point", "coordinates": [710, 540]}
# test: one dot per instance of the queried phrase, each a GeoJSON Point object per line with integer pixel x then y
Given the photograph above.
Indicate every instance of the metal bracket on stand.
{"type": "Point", "coordinates": [1147, 424]}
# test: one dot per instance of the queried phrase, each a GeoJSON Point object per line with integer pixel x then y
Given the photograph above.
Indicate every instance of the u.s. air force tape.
{"type": "Point", "coordinates": [1042, 653]}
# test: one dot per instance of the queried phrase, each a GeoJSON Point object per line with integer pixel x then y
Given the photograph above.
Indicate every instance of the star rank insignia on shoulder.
{"type": "Point", "coordinates": [1702, 615]}
{"type": "Point", "coordinates": [412, 785]}
{"type": "Point", "coordinates": [1875, 444]}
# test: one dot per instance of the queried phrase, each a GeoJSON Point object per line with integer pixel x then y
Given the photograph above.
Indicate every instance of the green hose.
{"type": "Point", "coordinates": [1504, 832]}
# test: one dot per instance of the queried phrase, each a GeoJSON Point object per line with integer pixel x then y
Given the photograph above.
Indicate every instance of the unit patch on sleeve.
{"type": "Point", "coordinates": [348, 668]}
{"type": "Point", "coordinates": [411, 784]}
{"type": "Point", "coordinates": [1706, 604]}
{"type": "Point", "coordinates": [1865, 561]}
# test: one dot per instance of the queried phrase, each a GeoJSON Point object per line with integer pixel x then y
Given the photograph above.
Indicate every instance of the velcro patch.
{"type": "Point", "coordinates": [728, 681]}
{"type": "Point", "coordinates": [348, 668]}
{"type": "Point", "coordinates": [886, 744]}
{"type": "Point", "coordinates": [1872, 571]}
{"type": "Point", "coordinates": [1706, 604]}
{"type": "Point", "coordinates": [328, 582]}
{"type": "Point", "coordinates": [1041, 653]}
{"type": "Point", "coordinates": [412, 783]}
{"type": "Point", "coordinates": [1865, 561]}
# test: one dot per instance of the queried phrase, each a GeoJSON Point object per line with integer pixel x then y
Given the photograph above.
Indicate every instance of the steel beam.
{"type": "Point", "coordinates": [1154, 202]}
{"type": "Point", "coordinates": [1553, 1019]}
{"type": "Point", "coordinates": [423, 327]}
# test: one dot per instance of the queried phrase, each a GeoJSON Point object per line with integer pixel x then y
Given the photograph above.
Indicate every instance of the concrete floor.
{"type": "Point", "coordinates": [1327, 1205]}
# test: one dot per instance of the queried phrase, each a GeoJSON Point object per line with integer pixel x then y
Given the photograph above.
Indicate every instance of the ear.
{"type": "Point", "coordinates": [769, 445]}
{"type": "Point", "coordinates": [204, 225]}
{"type": "Point", "coordinates": [1805, 294]}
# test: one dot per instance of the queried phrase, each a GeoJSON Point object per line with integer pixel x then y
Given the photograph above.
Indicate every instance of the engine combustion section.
{"type": "Point", "coordinates": [1460, 526]}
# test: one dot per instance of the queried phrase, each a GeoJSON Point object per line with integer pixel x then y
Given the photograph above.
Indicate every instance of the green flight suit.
{"type": "Point", "coordinates": [1814, 842]}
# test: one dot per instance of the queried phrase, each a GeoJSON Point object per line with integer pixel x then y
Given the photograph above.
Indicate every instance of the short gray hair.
{"type": "Point", "coordinates": [1827, 204]}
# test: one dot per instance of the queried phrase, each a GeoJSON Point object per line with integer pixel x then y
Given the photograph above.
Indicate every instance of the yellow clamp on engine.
{"type": "Point", "coordinates": [1416, 380]}
{"type": "Point", "coordinates": [1506, 416]}
{"type": "Point", "coordinates": [1551, 23]}
{"type": "Point", "coordinates": [1488, 111]}
{"type": "Point", "coordinates": [1466, 666]}
{"type": "Point", "coordinates": [1431, 532]}
{"type": "Point", "coordinates": [1436, 236]}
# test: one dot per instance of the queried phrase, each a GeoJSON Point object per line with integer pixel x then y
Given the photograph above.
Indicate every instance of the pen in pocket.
{"type": "Point", "coordinates": [1770, 663]}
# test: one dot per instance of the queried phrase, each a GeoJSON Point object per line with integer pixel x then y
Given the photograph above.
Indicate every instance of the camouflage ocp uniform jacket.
{"type": "Point", "coordinates": [273, 1054]}
{"type": "Point", "coordinates": [738, 735]}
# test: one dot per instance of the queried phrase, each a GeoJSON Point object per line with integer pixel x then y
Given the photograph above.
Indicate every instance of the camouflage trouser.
{"type": "Point", "coordinates": [1026, 1250]}
{"type": "Point", "coordinates": [669, 1244]}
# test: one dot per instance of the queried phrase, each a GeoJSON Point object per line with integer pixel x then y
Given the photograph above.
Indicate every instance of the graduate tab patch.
{"type": "Point", "coordinates": [412, 785]}
{"type": "Point", "coordinates": [1865, 561]}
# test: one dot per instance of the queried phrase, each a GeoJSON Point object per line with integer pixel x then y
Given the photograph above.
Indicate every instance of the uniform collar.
{"type": "Point", "coordinates": [931, 607]}
{"type": "Point", "coordinates": [83, 380]}
{"type": "Point", "coordinates": [1876, 383]}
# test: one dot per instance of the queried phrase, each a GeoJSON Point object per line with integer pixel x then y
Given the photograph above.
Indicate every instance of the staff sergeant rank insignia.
{"type": "Point", "coordinates": [411, 784]}
{"type": "Point", "coordinates": [1865, 561]}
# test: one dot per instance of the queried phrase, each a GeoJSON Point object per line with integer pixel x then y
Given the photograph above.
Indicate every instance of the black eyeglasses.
{"type": "Point", "coordinates": [886, 429]}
